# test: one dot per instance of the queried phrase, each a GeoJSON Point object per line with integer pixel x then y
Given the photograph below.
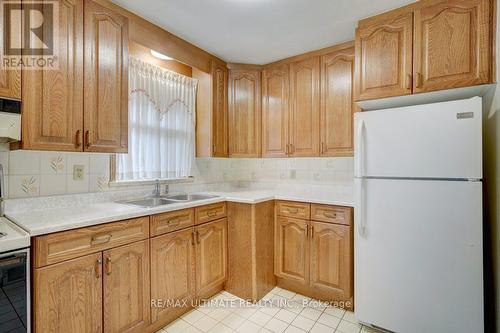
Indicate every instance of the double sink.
{"type": "Point", "coordinates": [167, 200]}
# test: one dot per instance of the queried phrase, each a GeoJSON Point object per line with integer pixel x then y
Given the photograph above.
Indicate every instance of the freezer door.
{"type": "Point", "coordinates": [418, 255]}
{"type": "Point", "coordinates": [441, 140]}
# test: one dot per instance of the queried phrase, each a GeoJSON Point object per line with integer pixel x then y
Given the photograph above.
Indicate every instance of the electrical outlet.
{"type": "Point", "coordinates": [78, 172]}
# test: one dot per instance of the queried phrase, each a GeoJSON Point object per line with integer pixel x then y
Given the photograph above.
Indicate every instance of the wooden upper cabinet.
{"type": "Point", "coordinates": [10, 80]}
{"type": "Point", "coordinates": [219, 110]}
{"type": "Point", "coordinates": [106, 80]}
{"type": "Point", "coordinates": [275, 110]}
{"type": "Point", "coordinates": [172, 271]}
{"type": "Point", "coordinates": [244, 113]}
{"type": "Point", "coordinates": [126, 288]}
{"type": "Point", "coordinates": [291, 249]}
{"type": "Point", "coordinates": [384, 56]}
{"type": "Point", "coordinates": [337, 79]}
{"type": "Point", "coordinates": [453, 44]}
{"type": "Point", "coordinates": [211, 256]}
{"type": "Point", "coordinates": [304, 111]}
{"type": "Point", "coordinates": [331, 260]}
{"type": "Point", "coordinates": [53, 99]}
{"type": "Point", "coordinates": [68, 296]}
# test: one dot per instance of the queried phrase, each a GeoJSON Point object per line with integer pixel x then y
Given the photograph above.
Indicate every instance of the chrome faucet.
{"type": "Point", "coordinates": [157, 190]}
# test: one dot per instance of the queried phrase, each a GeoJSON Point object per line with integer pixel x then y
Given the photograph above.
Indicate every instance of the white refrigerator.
{"type": "Point", "coordinates": [418, 218]}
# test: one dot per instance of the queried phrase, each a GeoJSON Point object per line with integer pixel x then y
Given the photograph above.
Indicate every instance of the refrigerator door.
{"type": "Point", "coordinates": [441, 140]}
{"type": "Point", "coordinates": [418, 255]}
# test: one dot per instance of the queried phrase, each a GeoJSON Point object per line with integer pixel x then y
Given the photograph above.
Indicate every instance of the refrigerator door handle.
{"type": "Point", "coordinates": [359, 149]}
{"type": "Point", "coordinates": [360, 209]}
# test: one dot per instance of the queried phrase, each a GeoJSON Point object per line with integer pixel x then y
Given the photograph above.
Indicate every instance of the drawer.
{"type": "Point", "coordinates": [61, 246]}
{"type": "Point", "coordinates": [297, 210]}
{"type": "Point", "coordinates": [210, 212]}
{"type": "Point", "coordinates": [171, 221]}
{"type": "Point", "coordinates": [332, 214]}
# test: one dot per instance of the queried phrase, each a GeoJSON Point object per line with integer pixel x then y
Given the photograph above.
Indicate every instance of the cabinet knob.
{"type": "Point", "coordinates": [108, 266]}
{"type": "Point", "coordinates": [98, 268]}
{"type": "Point", "coordinates": [87, 139]}
{"type": "Point", "coordinates": [77, 139]}
{"type": "Point", "coordinates": [419, 80]}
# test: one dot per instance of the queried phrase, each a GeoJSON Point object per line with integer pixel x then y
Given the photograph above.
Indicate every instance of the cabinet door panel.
{"type": "Point", "coordinates": [53, 99]}
{"type": "Point", "coordinates": [126, 288]}
{"type": "Point", "coordinates": [68, 296]}
{"type": "Point", "coordinates": [304, 121]}
{"type": "Point", "coordinates": [211, 256]}
{"type": "Point", "coordinates": [384, 57]}
{"type": "Point", "coordinates": [331, 260]}
{"type": "Point", "coordinates": [219, 115]}
{"type": "Point", "coordinates": [452, 45]}
{"type": "Point", "coordinates": [337, 78]}
{"type": "Point", "coordinates": [172, 271]}
{"type": "Point", "coordinates": [292, 249]}
{"type": "Point", "coordinates": [10, 80]}
{"type": "Point", "coordinates": [106, 80]}
{"type": "Point", "coordinates": [244, 113]}
{"type": "Point", "coordinates": [275, 111]}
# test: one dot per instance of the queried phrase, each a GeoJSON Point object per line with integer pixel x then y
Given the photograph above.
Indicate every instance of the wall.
{"type": "Point", "coordinates": [35, 173]}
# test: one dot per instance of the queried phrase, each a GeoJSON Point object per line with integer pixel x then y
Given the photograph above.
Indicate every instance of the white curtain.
{"type": "Point", "coordinates": [161, 124]}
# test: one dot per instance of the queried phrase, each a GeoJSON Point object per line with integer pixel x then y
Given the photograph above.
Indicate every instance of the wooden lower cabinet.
{"type": "Point", "coordinates": [68, 296]}
{"type": "Point", "coordinates": [292, 249]}
{"type": "Point", "coordinates": [331, 260]}
{"type": "Point", "coordinates": [315, 258]}
{"type": "Point", "coordinates": [211, 256]}
{"type": "Point", "coordinates": [126, 288]}
{"type": "Point", "coordinates": [172, 274]}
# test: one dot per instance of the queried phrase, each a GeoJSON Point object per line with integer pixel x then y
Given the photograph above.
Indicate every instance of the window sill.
{"type": "Point", "coordinates": [126, 183]}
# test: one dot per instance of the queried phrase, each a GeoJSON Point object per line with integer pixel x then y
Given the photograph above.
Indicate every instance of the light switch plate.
{"type": "Point", "coordinates": [78, 172]}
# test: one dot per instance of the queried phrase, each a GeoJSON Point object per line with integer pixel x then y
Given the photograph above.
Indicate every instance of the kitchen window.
{"type": "Point", "coordinates": [161, 125]}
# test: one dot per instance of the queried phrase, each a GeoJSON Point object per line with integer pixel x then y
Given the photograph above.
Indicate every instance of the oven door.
{"type": "Point", "coordinates": [14, 292]}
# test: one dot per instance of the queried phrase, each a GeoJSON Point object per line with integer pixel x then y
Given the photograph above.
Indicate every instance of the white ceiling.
{"type": "Point", "coordinates": [259, 31]}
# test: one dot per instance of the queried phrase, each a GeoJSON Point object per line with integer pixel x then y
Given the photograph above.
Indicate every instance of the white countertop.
{"type": "Point", "coordinates": [44, 221]}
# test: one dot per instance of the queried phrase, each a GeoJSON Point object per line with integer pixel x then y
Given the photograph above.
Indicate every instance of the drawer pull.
{"type": "Point", "coordinates": [108, 266]}
{"type": "Point", "coordinates": [292, 210]}
{"type": "Point", "coordinates": [212, 213]}
{"type": "Point", "coordinates": [100, 239]}
{"type": "Point", "coordinates": [98, 268]}
{"type": "Point", "coordinates": [174, 222]}
{"type": "Point", "coordinates": [330, 215]}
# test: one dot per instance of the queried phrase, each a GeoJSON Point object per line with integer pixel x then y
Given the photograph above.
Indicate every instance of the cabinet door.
{"type": "Point", "coordinates": [211, 256]}
{"type": "Point", "coordinates": [219, 110]}
{"type": "Point", "coordinates": [384, 57]}
{"type": "Point", "coordinates": [244, 116]}
{"type": "Point", "coordinates": [68, 296]}
{"type": "Point", "coordinates": [452, 45]}
{"type": "Point", "coordinates": [10, 80]}
{"type": "Point", "coordinates": [292, 249]}
{"type": "Point", "coordinates": [172, 272]}
{"type": "Point", "coordinates": [106, 80]}
{"type": "Point", "coordinates": [304, 117]}
{"type": "Point", "coordinates": [337, 78]}
{"type": "Point", "coordinates": [126, 288]}
{"type": "Point", "coordinates": [53, 99]}
{"type": "Point", "coordinates": [331, 260]}
{"type": "Point", "coordinates": [275, 111]}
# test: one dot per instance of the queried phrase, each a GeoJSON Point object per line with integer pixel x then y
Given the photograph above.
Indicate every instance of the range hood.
{"type": "Point", "coordinates": [10, 120]}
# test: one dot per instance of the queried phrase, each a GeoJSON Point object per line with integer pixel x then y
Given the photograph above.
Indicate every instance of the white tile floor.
{"type": "Point", "coordinates": [280, 311]}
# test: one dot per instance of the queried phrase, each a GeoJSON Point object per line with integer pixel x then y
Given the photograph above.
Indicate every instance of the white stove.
{"type": "Point", "coordinates": [12, 237]}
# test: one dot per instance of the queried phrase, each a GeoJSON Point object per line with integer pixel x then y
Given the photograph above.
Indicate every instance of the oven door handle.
{"type": "Point", "coordinates": [11, 261]}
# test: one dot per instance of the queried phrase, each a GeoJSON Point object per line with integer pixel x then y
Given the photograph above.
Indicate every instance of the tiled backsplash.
{"type": "Point", "coordinates": [34, 173]}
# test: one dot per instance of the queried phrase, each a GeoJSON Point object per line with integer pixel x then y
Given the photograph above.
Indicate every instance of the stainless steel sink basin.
{"type": "Point", "coordinates": [149, 202]}
{"type": "Point", "coordinates": [189, 197]}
